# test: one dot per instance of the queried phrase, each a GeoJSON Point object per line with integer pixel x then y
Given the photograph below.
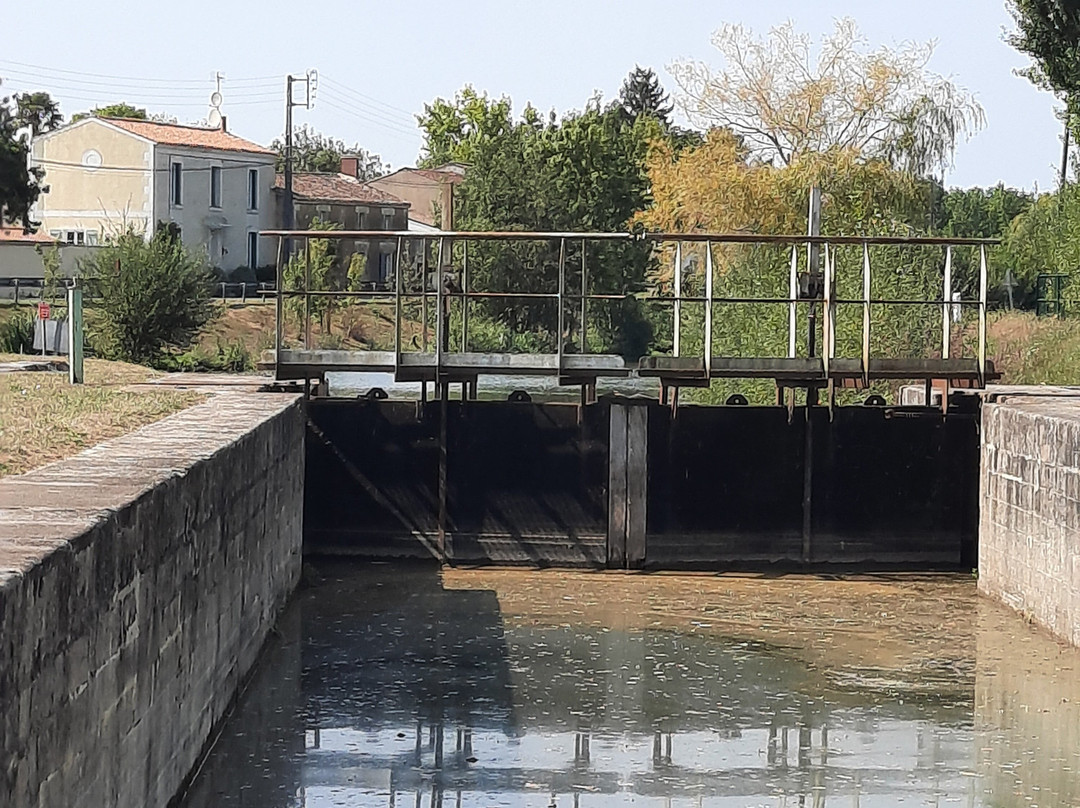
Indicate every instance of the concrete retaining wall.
{"type": "Point", "coordinates": [1029, 533]}
{"type": "Point", "coordinates": [138, 581]}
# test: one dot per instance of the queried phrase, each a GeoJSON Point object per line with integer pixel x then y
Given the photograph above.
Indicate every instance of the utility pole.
{"type": "Point", "coordinates": [310, 81]}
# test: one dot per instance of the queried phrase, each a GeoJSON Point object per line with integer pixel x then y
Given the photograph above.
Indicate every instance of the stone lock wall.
{"type": "Point", "coordinates": [1029, 533]}
{"type": "Point", "coordinates": [138, 581]}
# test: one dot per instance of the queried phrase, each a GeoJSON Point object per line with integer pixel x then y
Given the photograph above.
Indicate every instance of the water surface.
{"type": "Point", "coordinates": [407, 686]}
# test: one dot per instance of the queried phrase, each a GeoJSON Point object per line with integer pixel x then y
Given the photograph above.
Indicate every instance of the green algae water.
{"type": "Point", "coordinates": [393, 685]}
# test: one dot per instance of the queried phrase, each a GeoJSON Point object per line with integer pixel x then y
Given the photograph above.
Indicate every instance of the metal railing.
{"type": "Point", "coordinates": [813, 287]}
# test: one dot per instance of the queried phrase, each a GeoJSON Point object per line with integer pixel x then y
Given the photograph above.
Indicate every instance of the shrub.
{"type": "Point", "coordinates": [153, 296]}
{"type": "Point", "coordinates": [17, 332]}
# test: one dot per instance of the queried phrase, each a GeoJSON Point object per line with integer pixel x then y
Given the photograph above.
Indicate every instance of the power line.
{"type": "Point", "coordinates": [113, 90]}
{"type": "Point", "coordinates": [365, 109]}
{"type": "Point", "coordinates": [172, 82]}
{"type": "Point", "coordinates": [395, 111]}
{"type": "Point", "coordinates": [343, 105]}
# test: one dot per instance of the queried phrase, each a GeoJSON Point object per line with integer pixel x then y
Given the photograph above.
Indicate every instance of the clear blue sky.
{"type": "Point", "coordinates": [380, 61]}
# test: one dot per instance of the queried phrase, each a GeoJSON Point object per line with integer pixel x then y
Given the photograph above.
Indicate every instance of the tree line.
{"type": "Point", "coordinates": [874, 128]}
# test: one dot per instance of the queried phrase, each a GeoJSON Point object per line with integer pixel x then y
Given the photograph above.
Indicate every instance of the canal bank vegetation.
{"type": "Point", "coordinates": [43, 418]}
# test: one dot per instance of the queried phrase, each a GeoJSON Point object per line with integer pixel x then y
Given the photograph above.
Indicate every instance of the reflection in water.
{"type": "Point", "coordinates": [391, 686]}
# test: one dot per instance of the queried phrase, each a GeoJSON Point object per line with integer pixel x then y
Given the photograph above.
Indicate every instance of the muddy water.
{"type": "Point", "coordinates": [407, 686]}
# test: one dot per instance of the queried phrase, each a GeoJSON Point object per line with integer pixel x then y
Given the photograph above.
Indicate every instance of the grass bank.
{"type": "Point", "coordinates": [43, 418]}
{"type": "Point", "coordinates": [1034, 350]}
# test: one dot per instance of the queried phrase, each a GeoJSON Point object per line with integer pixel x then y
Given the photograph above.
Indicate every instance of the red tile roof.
{"type": "Point", "coordinates": [16, 234]}
{"type": "Point", "coordinates": [171, 134]}
{"type": "Point", "coordinates": [336, 188]}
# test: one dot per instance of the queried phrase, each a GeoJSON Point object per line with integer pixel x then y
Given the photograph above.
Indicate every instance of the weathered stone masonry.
{"type": "Point", "coordinates": [1029, 533]}
{"type": "Point", "coordinates": [138, 581]}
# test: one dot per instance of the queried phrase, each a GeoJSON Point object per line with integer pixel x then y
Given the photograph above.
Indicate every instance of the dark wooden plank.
{"type": "Point", "coordinates": [617, 488]}
{"type": "Point", "coordinates": [637, 478]}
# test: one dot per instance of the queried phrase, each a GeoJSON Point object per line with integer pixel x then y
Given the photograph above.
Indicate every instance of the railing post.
{"type": "Point", "coordinates": [982, 316]}
{"type": "Point", "coordinates": [677, 325]}
{"type": "Point", "coordinates": [792, 309]}
{"type": "Point", "coordinates": [440, 316]}
{"type": "Point", "coordinates": [397, 306]}
{"type": "Point", "coordinates": [584, 301]}
{"type": "Point", "coordinates": [561, 301]}
{"type": "Point", "coordinates": [465, 296]}
{"type": "Point", "coordinates": [866, 315]}
{"type": "Point", "coordinates": [708, 308]}
{"type": "Point", "coordinates": [307, 293]}
{"type": "Point", "coordinates": [423, 296]}
{"type": "Point", "coordinates": [832, 305]}
{"type": "Point", "coordinates": [826, 324]}
{"type": "Point", "coordinates": [946, 299]}
{"type": "Point", "coordinates": [280, 300]}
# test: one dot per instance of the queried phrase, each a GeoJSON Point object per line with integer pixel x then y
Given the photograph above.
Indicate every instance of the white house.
{"type": "Point", "coordinates": [106, 174]}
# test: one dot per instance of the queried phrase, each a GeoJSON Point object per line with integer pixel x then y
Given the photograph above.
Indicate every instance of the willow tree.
{"type": "Point", "coordinates": [723, 187]}
{"type": "Point", "coordinates": [785, 98]}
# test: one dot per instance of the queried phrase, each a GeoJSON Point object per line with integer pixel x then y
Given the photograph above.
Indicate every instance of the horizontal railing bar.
{"type": "Point", "coordinates": [719, 238]}
{"type": "Point", "coordinates": [874, 301]}
{"type": "Point", "coordinates": [759, 238]}
{"type": "Point", "coordinates": [460, 235]}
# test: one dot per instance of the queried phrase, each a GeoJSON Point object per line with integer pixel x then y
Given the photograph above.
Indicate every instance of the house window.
{"type": "Point", "coordinates": [387, 221]}
{"type": "Point", "coordinates": [253, 250]}
{"type": "Point", "coordinates": [176, 191]}
{"type": "Point", "coordinates": [215, 186]}
{"type": "Point", "coordinates": [79, 238]}
{"type": "Point", "coordinates": [361, 218]}
{"type": "Point", "coordinates": [253, 189]}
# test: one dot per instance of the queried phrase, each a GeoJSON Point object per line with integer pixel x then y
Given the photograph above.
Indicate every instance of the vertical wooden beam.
{"type": "Point", "coordinates": [637, 484]}
{"type": "Point", "coordinates": [946, 300]}
{"type": "Point", "coordinates": [443, 550]}
{"type": "Point", "coordinates": [808, 486]}
{"type": "Point", "coordinates": [616, 543]}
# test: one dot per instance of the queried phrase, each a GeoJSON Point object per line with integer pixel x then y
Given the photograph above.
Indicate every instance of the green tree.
{"type": "Point", "coordinates": [1049, 32]}
{"type": "Point", "coordinates": [642, 94]}
{"type": "Point", "coordinates": [313, 151]}
{"type": "Point", "coordinates": [454, 130]}
{"type": "Point", "coordinates": [37, 111]}
{"type": "Point", "coordinates": [20, 185]}
{"type": "Point", "coordinates": [583, 172]}
{"type": "Point", "coordinates": [1045, 238]}
{"type": "Point", "coordinates": [319, 264]}
{"type": "Point", "coordinates": [118, 110]}
{"type": "Point", "coordinates": [153, 296]}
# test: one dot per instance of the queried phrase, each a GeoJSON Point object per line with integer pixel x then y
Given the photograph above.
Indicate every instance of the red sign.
{"type": "Point", "coordinates": [43, 311]}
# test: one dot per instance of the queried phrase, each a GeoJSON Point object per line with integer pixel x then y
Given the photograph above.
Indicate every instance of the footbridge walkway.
{"type": "Point", "coordinates": [560, 297]}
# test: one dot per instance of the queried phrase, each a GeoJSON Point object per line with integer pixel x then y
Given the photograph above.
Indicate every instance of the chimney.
{"type": "Point", "coordinates": [223, 123]}
{"type": "Point", "coordinates": [350, 165]}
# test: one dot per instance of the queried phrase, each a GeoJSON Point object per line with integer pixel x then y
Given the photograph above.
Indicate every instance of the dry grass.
{"type": "Point", "coordinates": [358, 327]}
{"type": "Point", "coordinates": [43, 418]}
{"type": "Point", "coordinates": [1035, 350]}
